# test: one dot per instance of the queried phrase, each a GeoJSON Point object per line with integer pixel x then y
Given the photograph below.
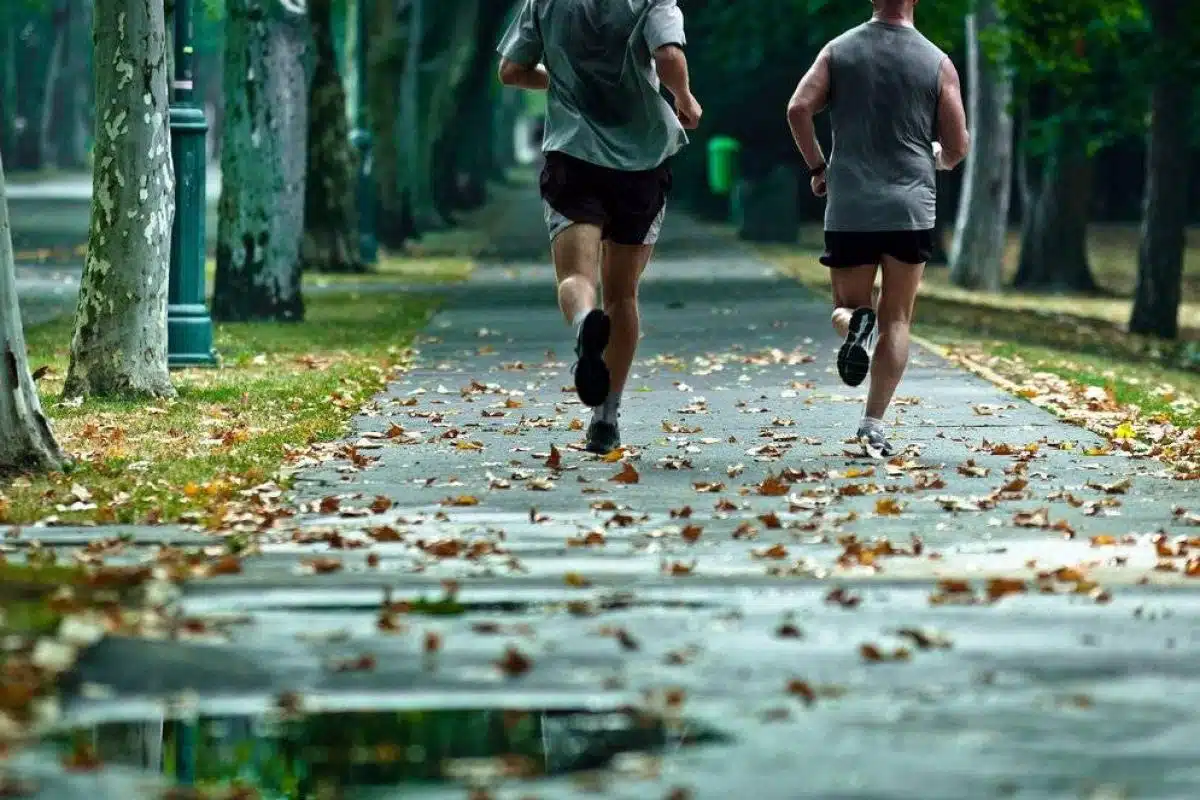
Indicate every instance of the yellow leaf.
{"type": "Point", "coordinates": [1124, 431]}
{"type": "Point", "coordinates": [614, 456]}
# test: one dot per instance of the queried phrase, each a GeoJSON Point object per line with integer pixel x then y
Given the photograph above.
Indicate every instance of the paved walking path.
{"type": "Point", "coordinates": [708, 577]}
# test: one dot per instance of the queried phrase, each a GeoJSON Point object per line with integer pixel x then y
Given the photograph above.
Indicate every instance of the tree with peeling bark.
{"type": "Point", "coordinates": [330, 220]}
{"type": "Point", "coordinates": [981, 227]}
{"type": "Point", "coordinates": [26, 442]}
{"type": "Point", "coordinates": [1165, 201]}
{"type": "Point", "coordinates": [263, 157]}
{"type": "Point", "coordinates": [119, 347]}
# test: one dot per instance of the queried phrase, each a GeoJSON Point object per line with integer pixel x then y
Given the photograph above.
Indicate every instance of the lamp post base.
{"type": "Point", "coordinates": [189, 337]}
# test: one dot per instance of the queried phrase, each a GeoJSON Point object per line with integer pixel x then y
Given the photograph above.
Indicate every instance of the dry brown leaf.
{"type": "Point", "coordinates": [773, 486]}
{"type": "Point", "coordinates": [628, 475]}
{"type": "Point", "coordinates": [888, 507]}
{"type": "Point", "coordinates": [514, 663]}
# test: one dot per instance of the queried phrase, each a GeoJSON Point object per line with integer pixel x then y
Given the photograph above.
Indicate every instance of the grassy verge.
{"type": "Point", "coordinates": [1054, 351]}
{"type": "Point", "coordinates": [282, 388]}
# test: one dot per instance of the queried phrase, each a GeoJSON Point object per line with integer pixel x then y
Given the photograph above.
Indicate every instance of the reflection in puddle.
{"type": "Point", "coordinates": [342, 755]}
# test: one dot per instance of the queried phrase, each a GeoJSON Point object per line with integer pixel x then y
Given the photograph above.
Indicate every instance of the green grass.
{"type": "Point", "coordinates": [280, 387]}
{"type": "Point", "coordinates": [406, 269]}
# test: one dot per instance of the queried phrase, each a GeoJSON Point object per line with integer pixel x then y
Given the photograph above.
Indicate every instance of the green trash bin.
{"type": "Point", "coordinates": [722, 163]}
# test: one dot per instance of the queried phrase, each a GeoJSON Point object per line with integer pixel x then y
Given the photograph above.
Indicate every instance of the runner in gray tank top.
{"type": "Point", "coordinates": [897, 115]}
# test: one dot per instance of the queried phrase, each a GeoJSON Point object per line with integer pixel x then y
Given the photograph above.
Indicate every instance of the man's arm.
{"type": "Point", "coordinates": [665, 37]}
{"type": "Point", "coordinates": [521, 50]}
{"type": "Point", "coordinates": [953, 137]}
{"type": "Point", "coordinates": [809, 99]}
{"type": "Point", "coordinates": [524, 76]}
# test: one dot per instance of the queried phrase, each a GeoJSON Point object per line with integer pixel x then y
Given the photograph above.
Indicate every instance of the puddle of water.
{"type": "Point", "coordinates": [348, 755]}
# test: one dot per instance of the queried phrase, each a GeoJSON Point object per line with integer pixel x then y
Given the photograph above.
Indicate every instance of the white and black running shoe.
{"type": "Point", "coordinates": [854, 357]}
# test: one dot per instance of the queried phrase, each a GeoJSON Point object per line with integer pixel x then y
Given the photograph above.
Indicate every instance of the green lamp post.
{"type": "Point", "coordinates": [189, 327]}
{"type": "Point", "coordinates": [360, 138]}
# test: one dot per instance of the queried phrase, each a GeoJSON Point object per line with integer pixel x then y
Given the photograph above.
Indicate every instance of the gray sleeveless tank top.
{"type": "Point", "coordinates": [883, 101]}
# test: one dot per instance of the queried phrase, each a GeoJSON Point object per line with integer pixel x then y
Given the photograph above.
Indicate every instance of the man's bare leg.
{"type": "Point", "coordinates": [577, 264]}
{"type": "Point", "coordinates": [852, 290]}
{"type": "Point", "coordinates": [576, 253]}
{"type": "Point", "coordinates": [890, 359]}
{"type": "Point", "coordinates": [623, 266]}
{"type": "Point", "coordinates": [854, 318]}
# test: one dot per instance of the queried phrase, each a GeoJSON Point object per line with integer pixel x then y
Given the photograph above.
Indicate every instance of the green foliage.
{"type": "Point", "coordinates": [1079, 69]}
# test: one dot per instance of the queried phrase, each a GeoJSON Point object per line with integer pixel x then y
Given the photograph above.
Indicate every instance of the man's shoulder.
{"type": "Point", "coordinates": [847, 35]}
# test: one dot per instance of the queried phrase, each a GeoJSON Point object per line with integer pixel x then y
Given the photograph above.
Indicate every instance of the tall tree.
{"type": "Point", "coordinates": [981, 228]}
{"type": "Point", "coordinates": [462, 159]}
{"type": "Point", "coordinates": [60, 16]}
{"type": "Point", "coordinates": [1165, 202]}
{"type": "Point", "coordinates": [455, 56]}
{"type": "Point", "coordinates": [330, 222]}
{"type": "Point", "coordinates": [1068, 76]}
{"type": "Point", "coordinates": [261, 211]}
{"type": "Point", "coordinates": [387, 51]}
{"type": "Point", "coordinates": [120, 341]}
{"type": "Point", "coordinates": [26, 441]}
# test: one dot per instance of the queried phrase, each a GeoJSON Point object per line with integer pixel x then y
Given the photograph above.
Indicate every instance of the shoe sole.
{"type": "Point", "coordinates": [853, 361]}
{"type": "Point", "coordinates": [873, 452]}
{"type": "Point", "coordinates": [592, 380]}
{"type": "Point", "coordinates": [599, 449]}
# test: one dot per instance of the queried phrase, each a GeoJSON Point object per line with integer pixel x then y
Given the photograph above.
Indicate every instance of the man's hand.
{"type": "Point", "coordinates": [819, 185]}
{"type": "Point", "coordinates": [688, 109]}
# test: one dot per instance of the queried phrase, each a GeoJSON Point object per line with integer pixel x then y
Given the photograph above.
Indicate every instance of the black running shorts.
{"type": "Point", "coordinates": [628, 206]}
{"type": "Point", "coordinates": [847, 249]}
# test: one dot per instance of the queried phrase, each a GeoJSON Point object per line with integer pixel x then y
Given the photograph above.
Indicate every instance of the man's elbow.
{"type": "Point", "coordinates": [510, 72]}
{"type": "Point", "coordinates": [800, 111]}
{"type": "Point", "coordinates": [956, 154]}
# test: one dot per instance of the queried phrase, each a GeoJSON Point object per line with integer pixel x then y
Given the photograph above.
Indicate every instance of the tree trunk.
{"type": "Point", "coordinates": [330, 223]}
{"type": "Point", "coordinates": [1055, 196]}
{"type": "Point", "coordinates": [463, 157]}
{"type": "Point", "coordinates": [26, 442]}
{"type": "Point", "coordinates": [74, 102]}
{"type": "Point", "coordinates": [1165, 201]}
{"type": "Point", "coordinates": [120, 342]}
{"type": "Point", "coordinates": [981, 229]}
{"type": "Point", "coordinates": [414, 122]}
{"type": "Point", "coordinates": [445, 82]}
{"type": "Point", "coordinates": [387, 50]}
{"type": "Point", "coordinates": [261, 211]}
{"type": "Point", "coordinates": [46, 151]}
{"type": "Point", "coordinates": [9, 109]}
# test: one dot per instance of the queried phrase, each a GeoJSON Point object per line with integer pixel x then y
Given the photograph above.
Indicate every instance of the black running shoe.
{"type": "Point", "coordinates": [603, 437]}
{"type": "Point", "coordinates": [854, 357]}
{"type": "Point", "coordinates": [875, 444]}
{"type": "Point", "coordinates": [592, 380]}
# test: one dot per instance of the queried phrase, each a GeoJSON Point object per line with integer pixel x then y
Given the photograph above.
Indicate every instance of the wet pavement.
{"type": "Point", "coordinates": [986, 616]}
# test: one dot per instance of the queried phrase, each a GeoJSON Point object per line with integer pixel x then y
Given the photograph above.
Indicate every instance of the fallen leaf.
{"type": "Point", "coordinates": [514, 663]}
{"type": "Point", "coordinates": [628, 475]}
{"type": "Point", "coordinates": [803, 690]}
{"type": "Point", "coordinates": [888, 507]}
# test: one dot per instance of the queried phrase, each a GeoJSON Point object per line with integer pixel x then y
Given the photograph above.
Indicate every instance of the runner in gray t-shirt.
{"type": "Point", "coordinates": [897, 115]}
{"type": "Point", "coordinates": [609, 133]}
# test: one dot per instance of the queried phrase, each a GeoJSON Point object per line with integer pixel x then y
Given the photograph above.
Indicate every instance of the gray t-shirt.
{"type": "Point", "coordinates": [604, 105]}
{"type": "Point", "coordinates": [884, 87]}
